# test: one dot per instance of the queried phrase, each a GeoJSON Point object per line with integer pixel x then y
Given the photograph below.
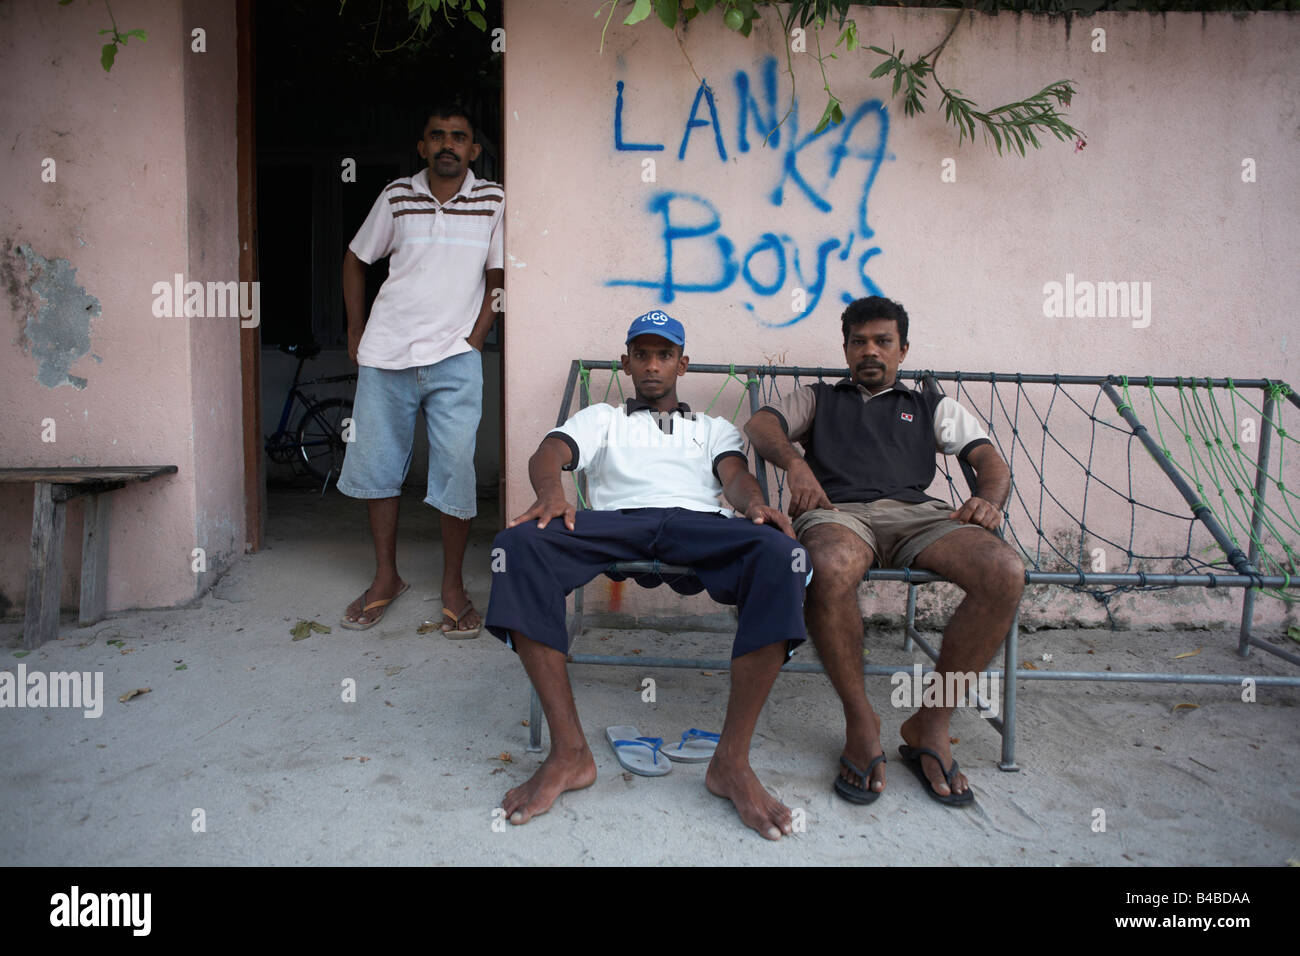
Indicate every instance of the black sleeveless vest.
{"type": "Point", "coordinates": [867, 450]}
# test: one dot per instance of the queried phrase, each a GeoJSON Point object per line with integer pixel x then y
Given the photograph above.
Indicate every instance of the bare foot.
{"type": "Point", "coordinates": [378, 591]}
{"type": "Point", "coordinates": [861, 746]}
{"type": "Point", "coordinates": [920, 730]}
{"type": "Point", "coordinates": [559, 772]}
{"type": "Point", "coordinates": [757, 808]}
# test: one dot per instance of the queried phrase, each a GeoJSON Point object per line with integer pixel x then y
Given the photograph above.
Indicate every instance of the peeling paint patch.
{"type": "Point", "coordinates": [57, 310]}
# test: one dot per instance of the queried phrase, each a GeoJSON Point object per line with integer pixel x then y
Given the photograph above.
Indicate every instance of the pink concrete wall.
{"type": "Point", "coordinates": [213, 235]}
{"type": "Point", "coordinates": [122, 214]}
{"type": "Point", "coordinates": [1171, 110]}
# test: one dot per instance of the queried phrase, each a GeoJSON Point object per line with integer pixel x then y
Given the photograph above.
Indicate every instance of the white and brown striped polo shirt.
{"type": "Point", "coordinates": [439, 253]}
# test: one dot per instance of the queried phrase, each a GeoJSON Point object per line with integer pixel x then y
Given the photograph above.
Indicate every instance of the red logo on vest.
{"type": "Point", "coordinates": [907, 416]}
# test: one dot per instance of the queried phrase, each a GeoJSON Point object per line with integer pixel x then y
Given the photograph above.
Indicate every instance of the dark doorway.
{"type": "Point", "coordinates": [339, 102]}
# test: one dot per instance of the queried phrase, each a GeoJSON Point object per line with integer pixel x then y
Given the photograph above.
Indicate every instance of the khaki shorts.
{"type": "Point", "coordinates": [895, 531]}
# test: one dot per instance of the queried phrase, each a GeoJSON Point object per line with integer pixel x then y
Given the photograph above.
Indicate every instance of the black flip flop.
{"type": "Point", "coordinates": [852, 792]}
{"type": "Point", "coordinates": [913, 757]}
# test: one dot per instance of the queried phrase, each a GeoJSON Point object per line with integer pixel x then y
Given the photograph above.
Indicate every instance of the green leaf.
{"type": "Point", "coordinates": [182, 667]}
{"type": "Point", "coordinates": [476, 18]}
{"type": "Point", "coordinates": [118, 643]}
{"type": "Point", "coordinates": [640, 10]}
{"type": "Point", "coordinates": [1293, 632]}
{"type": "Point", "coordinates": [137, 33]}
{"type": "Point", "coordinates": [667, 10]}
{"type": "Point", "coordinates": [704, 6]}
{"type": "Point", "coordinates": [831, 114]}
{"type": "Point", "coordinates": [881, 70]}
{"type": "Point", "coordinates": [21, 653]}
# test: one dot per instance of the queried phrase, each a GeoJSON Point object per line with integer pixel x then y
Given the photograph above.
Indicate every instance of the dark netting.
{"type": "Point", "coordinates": [1089, 500]}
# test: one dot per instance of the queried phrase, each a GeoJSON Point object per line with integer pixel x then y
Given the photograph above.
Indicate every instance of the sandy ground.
{"type": "Point", "coordinates": [249, 727]}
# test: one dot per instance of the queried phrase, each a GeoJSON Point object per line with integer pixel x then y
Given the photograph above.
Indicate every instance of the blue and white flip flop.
{"type": "Point", "coordinates": [696, 746]}
{"type": "Point", "coordinates": [638, 754]}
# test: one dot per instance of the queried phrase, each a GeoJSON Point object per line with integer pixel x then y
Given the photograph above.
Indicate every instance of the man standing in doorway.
{"type": "Point", "coordinates": [421, 349]}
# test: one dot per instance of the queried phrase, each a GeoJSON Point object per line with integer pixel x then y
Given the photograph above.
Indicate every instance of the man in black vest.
{"type": "Point", "coordinates": [858, 497]}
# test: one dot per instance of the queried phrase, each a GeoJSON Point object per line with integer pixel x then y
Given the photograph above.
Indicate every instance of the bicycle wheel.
{"type": "Point", "coordinates": [320, 438]}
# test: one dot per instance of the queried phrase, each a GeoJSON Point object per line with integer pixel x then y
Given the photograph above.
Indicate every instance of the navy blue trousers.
{"type": "Point", "coordinates": [755, 567]}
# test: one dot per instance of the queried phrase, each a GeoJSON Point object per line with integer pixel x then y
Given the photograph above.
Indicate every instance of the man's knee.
{"type": "Point", "coordinates": [519, 544]}
{"type": "Point", "coordinates": [1002, 575]}
{"type": "Point", "coordinates": [775, 556]}
{"type": "Point", "coordinates": [838, 562]}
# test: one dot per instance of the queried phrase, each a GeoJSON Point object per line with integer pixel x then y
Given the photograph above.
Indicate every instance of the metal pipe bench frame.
{"type": "Point", "coordinates": [1247, 577]}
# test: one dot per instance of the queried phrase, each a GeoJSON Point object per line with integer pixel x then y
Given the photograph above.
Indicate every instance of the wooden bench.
{"type": "Point", "coordinates": [54, 488]}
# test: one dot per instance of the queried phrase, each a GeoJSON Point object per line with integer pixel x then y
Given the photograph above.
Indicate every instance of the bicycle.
{"type": "Point", "coordinates": [317, 444]}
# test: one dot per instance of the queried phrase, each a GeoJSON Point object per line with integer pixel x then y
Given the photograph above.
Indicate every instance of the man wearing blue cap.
{"type": "Point", "coordinates": [654, 472]}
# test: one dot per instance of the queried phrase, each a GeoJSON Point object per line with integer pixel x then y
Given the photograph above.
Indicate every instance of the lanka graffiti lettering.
{"type": "Point", "coordinates": [698, 256]}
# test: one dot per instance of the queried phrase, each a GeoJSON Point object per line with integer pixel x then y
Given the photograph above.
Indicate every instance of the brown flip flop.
{"type": "Point", "coordinates": [357, 625]}
{"type": "Point", "coordinates": [453, 631]}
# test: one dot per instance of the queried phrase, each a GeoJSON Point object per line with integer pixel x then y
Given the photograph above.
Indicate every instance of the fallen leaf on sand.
{"type": "Point", "coordinates": [505, 757]}
{"type": "Point", "coordinates": [182, 667]}
{"type": "Point", "coordinates": [362, 759]}
{"type": "Point", "coordinates": [1293, 632]}
{"type": "Point", "coordinates": [304, 629]}
{"type": "Point", "coordinates": [21, 653]}
{"type": "Point", "coordinates": [134, 693]}
{"type": "Point", "coordinates": [523, 723]}
{"type": "Point", "coordinates": [1027, 666]}
{"type": "Point", "coordinates": [427, 627]}
{"type": "Point", "coordinates": [1177, 707]}
{"type": "Point", "coordinates": [636, 650]}
{"type": "Point", "coordinates": [1179, 657]}
{"type": "Point", "coordinates": [394, 670]}
{"type": "Point", "coordinates": [115, 643]}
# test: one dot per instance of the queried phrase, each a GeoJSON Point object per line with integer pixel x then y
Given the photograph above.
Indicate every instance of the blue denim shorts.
{"type": "Point", "coordinates": [384, 413]}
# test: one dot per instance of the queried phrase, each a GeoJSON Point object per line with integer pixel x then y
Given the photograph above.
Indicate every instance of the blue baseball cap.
{"type": "Point", "coordinates": [657, 323]}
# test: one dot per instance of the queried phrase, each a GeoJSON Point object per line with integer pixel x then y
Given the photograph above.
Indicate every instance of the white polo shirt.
{"type": "Point", "coordinates": [435, 284]}
{"type": "Point", "coordinates": [631, 462]}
